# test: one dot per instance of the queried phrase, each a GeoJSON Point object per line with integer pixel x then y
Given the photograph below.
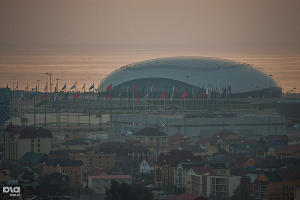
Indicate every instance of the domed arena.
{"type": "Point", "coordinates": [193, 76]}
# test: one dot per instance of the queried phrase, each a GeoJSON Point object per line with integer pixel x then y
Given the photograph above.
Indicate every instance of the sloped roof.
{"type": "Point", "coordinates": [32, 158]}
{"type": "Point", "coordinates": [175, 156]}
{"type": "Point", "coordinates": [33, 132]}
{"type": "Point", "coordinates": [63, 162]}
{"type": "Point", "coordinates": [202, 170]}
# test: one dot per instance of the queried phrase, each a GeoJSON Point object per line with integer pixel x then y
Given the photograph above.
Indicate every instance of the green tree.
{"type": "Point", "coordinates": [241, 192]}
{"type": "Point", "coordinates": [124, 191]}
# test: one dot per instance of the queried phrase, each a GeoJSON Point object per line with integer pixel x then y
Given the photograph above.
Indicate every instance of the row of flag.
{"type": "Point", "coordinates": [56, 89]}
{"type": "Point", "coordinates": [195, 92]}
{"type": "Point", "coordinates": [201, 93]}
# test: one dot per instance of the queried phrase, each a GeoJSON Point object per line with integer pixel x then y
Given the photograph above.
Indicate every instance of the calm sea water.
{"type": "Point", "coordinates": [91, 66]}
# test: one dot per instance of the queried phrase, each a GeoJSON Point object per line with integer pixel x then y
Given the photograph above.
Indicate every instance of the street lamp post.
{"type": "Point", "coordinates": [50, 75]}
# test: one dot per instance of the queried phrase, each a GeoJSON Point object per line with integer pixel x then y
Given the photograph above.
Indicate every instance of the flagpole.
{"type": "Point", "coordinates": [34, 115]}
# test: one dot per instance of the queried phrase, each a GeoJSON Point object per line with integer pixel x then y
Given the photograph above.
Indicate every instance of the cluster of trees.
{"type": "Point", "coordinates": [124, 191]}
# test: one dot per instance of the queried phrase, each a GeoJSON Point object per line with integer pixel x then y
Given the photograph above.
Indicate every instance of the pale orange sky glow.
{"type": "Point", "coordinates": [94, 37]}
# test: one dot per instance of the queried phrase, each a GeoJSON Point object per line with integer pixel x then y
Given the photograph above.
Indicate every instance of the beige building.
{"type": "Point", "coordinates": [205, 183]}
{"type": "Point", "coordinates": [19, 140]}
{"type": "Point", "coordinates": [152, 137]}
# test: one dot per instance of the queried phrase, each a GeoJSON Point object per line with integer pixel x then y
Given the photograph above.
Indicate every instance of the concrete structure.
{"type": "Point", "coordinates": [191, 72]}
{"type": "Point", "coordinates": [260, 124]}
{"type": "Point", "coordinates": [99, 184]}
{"type": "Point", "coordinates": [18, 141]}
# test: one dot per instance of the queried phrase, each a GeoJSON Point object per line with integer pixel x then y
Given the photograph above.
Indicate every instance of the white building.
{"type": "Point", "coordinates": [146, 167]}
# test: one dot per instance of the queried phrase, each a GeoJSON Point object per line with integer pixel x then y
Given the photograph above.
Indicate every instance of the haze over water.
{"type": "Point", "coordinates": [91, 66]}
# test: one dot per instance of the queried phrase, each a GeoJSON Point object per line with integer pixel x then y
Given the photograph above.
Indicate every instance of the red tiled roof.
{"type": "Point", "coordinates": [111, 177]}
{"type": "Point", "coordinates": [202, 170]}
{"type": "Point", "coordinates": [184, 197]}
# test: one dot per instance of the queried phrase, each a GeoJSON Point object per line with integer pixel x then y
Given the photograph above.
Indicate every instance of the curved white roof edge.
{"type": "Point", "coordinates": [197, 71]}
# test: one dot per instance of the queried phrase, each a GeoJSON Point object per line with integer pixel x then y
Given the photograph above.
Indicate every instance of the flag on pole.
{"type": "Point", "coordinates": [55, 96]}
{"type": "Point", "coordinates": [134, 88]}
{"type": "Point", "coordinates": [179, 89]}
{"type": "Point", "coordinates": [108, 96]}
{"type": "Point", "coordinates": [172, 93]}
{"type": "Point", "coordinates": [46, 87]}
{"type": "Point", "coordinates": [43, 97]}
{"type": "Point", "coordinates": [73, 86]}
{"type": "Point", "coordinates": [76, 95]}
{"type": "Point", "coordinates": [158, 88]}
{"type": "Point", "coordinates": [108, 87]}
{"type": "Point", "coordinates": [83, 88]}
{"type": "Point", "coordinates": [163, 95]}
{"type": "Point", "coordinates": [91, 87]}
{"type": "Point", "coordinates": [184, 94]}
{"type": "Point", "coordinates": [138, 98]}
{"type": "Point", "coordinates": [64, 87]}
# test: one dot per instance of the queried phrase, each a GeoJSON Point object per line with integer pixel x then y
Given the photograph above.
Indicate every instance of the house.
{"type": "Point", "coordinates": [99, 184]}
{"type": "Point", "coordinates": [146, 167]}
{"type": "Point", "coordinates": [288, 151]}
{"type": "Point", "coordinates": [107, 161]}
{"type": "Point", "coordinates": [151, 137]}
{"type": "Point", "coordinates": [166, 164]}
{"type": "Point", "coordinates": [277, 185]}
{"type": "Point", "coordinates": [19, 140]}
{"type": "Point", "coordinates": [89, 160]}
{"type": "Point", "coordinates": [181, 171]}
{"type": "Point", "coordinates": [67, 167]}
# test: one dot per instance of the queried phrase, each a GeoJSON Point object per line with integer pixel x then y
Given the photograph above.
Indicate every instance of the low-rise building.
{"type": "Point", "coordinates": [146, 167]}
{"type": "Point", "coordinates": [70, 168]}
{"type": "Point", "coordinates": [99, 184]}
{"type": "Point", "coordinates": [151, 137]}
{"type": "Point", "coordinates": [276, 185]}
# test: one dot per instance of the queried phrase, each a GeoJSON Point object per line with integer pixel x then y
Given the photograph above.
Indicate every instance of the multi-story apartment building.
{"type": "Point", "coordinates": [19, 140]}
{"type": "Point", "coordinates": [204, 182]}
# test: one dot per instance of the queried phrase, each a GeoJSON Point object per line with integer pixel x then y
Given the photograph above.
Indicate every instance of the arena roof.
{"type": "Point", "coordinates": [195, 71]}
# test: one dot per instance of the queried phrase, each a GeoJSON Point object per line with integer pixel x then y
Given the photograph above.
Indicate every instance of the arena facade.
{"type": "Point", "coordinates": [194, 75]}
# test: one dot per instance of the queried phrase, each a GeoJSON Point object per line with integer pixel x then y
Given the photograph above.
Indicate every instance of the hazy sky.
{"type": "Point", "coordinates": [260, 24]}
